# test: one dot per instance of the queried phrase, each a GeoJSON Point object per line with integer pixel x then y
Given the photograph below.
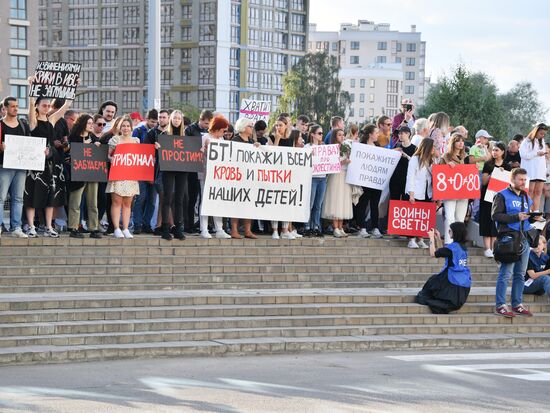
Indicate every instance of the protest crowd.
{"type": "Point", "coordinates": [384, 178]}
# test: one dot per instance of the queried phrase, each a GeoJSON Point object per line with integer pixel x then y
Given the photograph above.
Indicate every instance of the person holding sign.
{"type": "Point", "coordinates": [45, 189]}
{"type": "Point", "coordinates": [533, 150]}
{"type": "Point", "coordinates": [82, 132]}
{"type": "Point", "coordinates": [338, 204]}
{"type": "Point", "coordinates": [318, 186]}
{"type": "Point", "coordinates": [218, 127]}
{"type": "Point", "coordinates": [455, 209]}
{"type": "Point", "coordinates": [448, 290]}
{"type": "Point", "coordinates": [122, 192]}
{"type": "Point", "coordinates": [487, 227]}
{"type": "Point", "coordinates": [369, 136]}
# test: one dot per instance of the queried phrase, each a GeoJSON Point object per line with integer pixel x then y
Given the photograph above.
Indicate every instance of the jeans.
{"type": "Point", "coordinates": [16, 180]}
{"type": "Point", "coordinates": [455, 211]}
{"type": "Point", "coordinates": [541, 284]}
{"type": "Point", "coordinates": [318, 189]}
{"type": "Point", "coordinates": [517, 271]}
{"type": "Point", "coordinates": [144, 205]}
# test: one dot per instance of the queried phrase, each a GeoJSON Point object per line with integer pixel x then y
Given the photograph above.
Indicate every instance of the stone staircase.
{"type": "Point", "coordinates": [83, 299]}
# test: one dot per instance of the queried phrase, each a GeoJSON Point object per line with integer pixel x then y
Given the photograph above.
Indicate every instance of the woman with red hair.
{"type": "Point", "coordinates": [218, 126]}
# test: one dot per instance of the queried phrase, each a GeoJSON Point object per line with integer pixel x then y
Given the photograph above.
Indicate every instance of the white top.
{"type": "Point", "coordinates": [534, 164]}
{"type": "Point", "coordinates": [418, 179]}
{"type": "Point", "coordinates": [416, 139]}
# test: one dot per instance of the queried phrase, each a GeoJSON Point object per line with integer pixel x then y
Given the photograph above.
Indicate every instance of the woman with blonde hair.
{"type": "Point", "coordinates": [455, 209]}
{"type": "Point", "coordinates": [533, 150]}
{"type": "Point", "coordinates": [353, 132]}
{"type": "Point", "coordinates": [439, 131]}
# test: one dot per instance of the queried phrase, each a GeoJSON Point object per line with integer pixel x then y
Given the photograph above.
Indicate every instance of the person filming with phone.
{"type": "Point", "coordinates": [404, 118]}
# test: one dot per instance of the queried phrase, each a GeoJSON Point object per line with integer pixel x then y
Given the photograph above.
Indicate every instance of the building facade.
{"type": "Point", "coordinates": [213, 52]}
{"type": "Point", "coordinates": [19, 53]}
{"type": "Point", "coordinates": [378, 65]}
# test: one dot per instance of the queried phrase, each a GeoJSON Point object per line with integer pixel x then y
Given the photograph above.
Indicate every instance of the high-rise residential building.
{"type": "Point", "coordinates": [213, 52]}
{"type": "Point", "coordinates": [19, 52]}
{"type": "Point", "coordinates": [379, 66]}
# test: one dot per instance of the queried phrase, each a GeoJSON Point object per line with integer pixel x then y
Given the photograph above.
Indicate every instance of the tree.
{"type": "Point", "coordinates": [470, 99]}
{"type": "Point", "coordinates": [312, 87]}
{"type": "Point", "coordinates": [190, 111]}
{"type": "Point", "coordinates": [522, 107]}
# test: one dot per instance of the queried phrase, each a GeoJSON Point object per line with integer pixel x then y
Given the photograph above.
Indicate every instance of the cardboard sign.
{"type": "Point", "coordinates": [89, 162]}
{"type": "Point", "coordinates": [24, 152]}
{"type": "Point", "coordinates": [267, 182]}
{"type": "Point", "coordinates": [371, 166]}
{"type": "Point", "coordinates": [255, 110]}
{"type": "Point", "coordinates": [55, 80]}
{"type": "Point", "coordinates": [133, 162]}
{"type": "Point", "coordinates": [326, 159]}
{"type": "Point", "coordinates": [413, 220]}
{"type": "Point", "coordinates": [181, 153]}
{"type": "Point", "coordinates": [459, 182]}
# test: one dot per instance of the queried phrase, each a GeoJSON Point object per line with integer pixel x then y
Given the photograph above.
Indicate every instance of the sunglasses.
{"type": "Point", "coordinates": [100, 123]}
{"type": "Point", "coordinates": [318, 133]}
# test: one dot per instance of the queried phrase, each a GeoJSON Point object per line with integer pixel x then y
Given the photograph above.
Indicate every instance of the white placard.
{"type": "Point", "coordinates": [255, 110]}
{"type": "Point", "coordinates": [371, 166]}
{"type": "Point", "coordinates": [24, 152]}
{"type": "Point", "coordinates": [267, 182]}
{"type": "Point", "coordinates": [326, 159]}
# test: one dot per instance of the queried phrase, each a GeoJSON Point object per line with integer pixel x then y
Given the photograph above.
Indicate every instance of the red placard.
{"type": "Point", "coordinates": [133, 162]}
{"type": "Point", "coordinates": [414, 220]}
{"type": "Point", "coordinates": [459, 182]}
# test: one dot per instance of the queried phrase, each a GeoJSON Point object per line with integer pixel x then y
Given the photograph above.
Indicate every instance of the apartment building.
{"type": "Point", "coordinates": [19, 51]}
{"type": "Point", "coordinates": [372, 54]}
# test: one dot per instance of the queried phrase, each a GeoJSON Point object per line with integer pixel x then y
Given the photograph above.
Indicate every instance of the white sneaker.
{"type": "Point", "coordinates": [296, 235]}
{"type": "Point", "coordinates": [275, 235]}
{"type": "Point", "coordinates": [363, 233]}
{"type": "Point", "coordinates": [222, 235]}
{"type": "Point", "coordinates": [337, 233]}
{"type": "Point", "coordinates": [50, 232]}
{"type": "Point", "coordinates": [32, 233]}
{"type": "Point", "coordinates": [18, 232]}
{"type": "Point", "coordinates": [413, 244]}
{"type": "Point", "coordinates": [423, 245]}
{"type": "Point", "coordinates": [344, 233]}
{"type": "Point", "coordinates": [127, 234]}
{"type": "Point", "coordinates": [118, 233]}
{"type": "Point", "coordinates": [375, 233]}
{"type": "Point", "coordinates": [287, 235]}
{"type": "Point", "coordinates": [488, 253]}
{"type": "Point", "coordinates": [206, 235]}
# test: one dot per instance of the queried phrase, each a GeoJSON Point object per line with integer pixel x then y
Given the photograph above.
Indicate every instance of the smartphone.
{"type": "Point", "coordinates": [535, 214]}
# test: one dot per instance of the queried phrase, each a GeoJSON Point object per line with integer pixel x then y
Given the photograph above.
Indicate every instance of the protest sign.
{"type": "Point", "coordinates": [326, 159]}
{"type": "Point", "coordinates": [255, 110]}
{"type": "Point", "coordinates": [267, 182]}
{"type": "Point", "coordinates": [181, 153]}
{"type": "Point", "coordinates": [499, 181]}
{"type": "Point", "coordinates": [458, 182]}
{"type": "Point", "coordinates": [133, 162]}
{"type": "Point", "coordinates": [24, 152]}
{"type": "Point", "coordinates": [371, 166]}
{"type": "Point", "coordinates": [55, 80]}
{"type": "Point", "coordinates": [413, 220]}
{"type": "Point", "coordinates": [89, 162]}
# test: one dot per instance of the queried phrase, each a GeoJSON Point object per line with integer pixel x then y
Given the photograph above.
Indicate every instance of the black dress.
{"type": "Point", "coordinates": [46, 188]}
{"type": "Point", "coordinates": [487, 227]}
{"type": "Point", "coordinates": [439, 293]}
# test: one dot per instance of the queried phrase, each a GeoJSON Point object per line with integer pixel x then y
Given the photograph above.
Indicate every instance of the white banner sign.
{"type": "Point", "coordinates": [267, 182]}
{"type": "Point", "coordinates": [371, 166]}
{"type": "Point", "coordinates": [255, 110]}
{"type": "Point", "coordinates": [24, 152]}
{"type": "Point", "coordinates": [326, 159]}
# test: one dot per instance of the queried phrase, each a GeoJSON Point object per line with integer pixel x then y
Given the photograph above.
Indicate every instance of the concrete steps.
{"type": "Point", "coordinates": [84, 299]}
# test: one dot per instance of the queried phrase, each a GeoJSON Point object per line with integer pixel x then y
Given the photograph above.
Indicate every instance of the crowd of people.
{"type": "Point", "coordinates": [126, 208]}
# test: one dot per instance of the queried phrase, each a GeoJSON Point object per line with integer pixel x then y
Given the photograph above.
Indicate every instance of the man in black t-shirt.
{"type": "Point", "coordinates": [12, 178]}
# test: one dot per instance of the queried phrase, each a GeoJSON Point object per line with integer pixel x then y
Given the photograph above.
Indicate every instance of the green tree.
{"type": "Point", "coordinates": [470, 99]}
{"type": "Point", "coordinates": [188, 110]}
{"type": "Point", "coordinates": [312, 87]}
{"type": "Point", "coordinates": [522, 107]}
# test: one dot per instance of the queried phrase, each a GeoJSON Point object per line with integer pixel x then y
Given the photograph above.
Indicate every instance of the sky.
{"type": "Point", "coordinates": [509, 40]}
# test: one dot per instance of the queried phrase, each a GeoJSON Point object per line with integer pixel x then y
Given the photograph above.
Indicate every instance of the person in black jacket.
{"type": "Point", "coordinates": [82, 132]}
{"type": "Point", "coordinates": [198, 128]}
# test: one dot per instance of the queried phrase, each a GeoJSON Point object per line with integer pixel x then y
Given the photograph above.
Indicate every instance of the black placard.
{"type": "Point", "coordinates": [181, 153]}
{"type": "Point", "coordinates": [55, 80]}
{"type": "Point", "coordinates": [89, 162]}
